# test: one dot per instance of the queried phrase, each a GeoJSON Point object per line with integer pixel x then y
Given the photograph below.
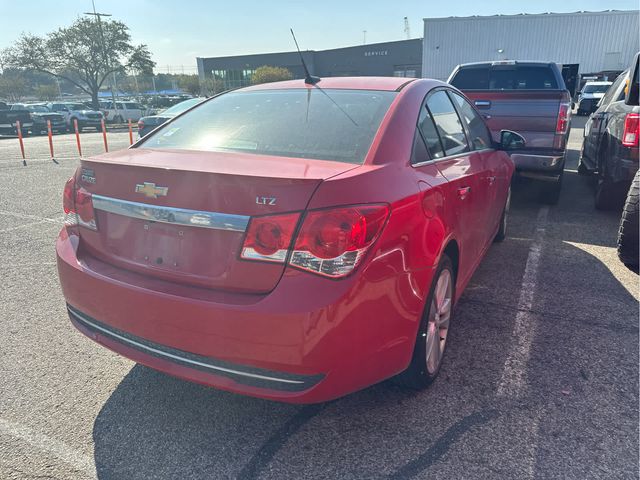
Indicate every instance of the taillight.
{"type": "Point", "coordinates": [562, 124]}
{"type": "Point", "coordinates": [631, 125]}
{"type": "Point", "coordinates": [330, 242]}
{"type": "Point", "coordinates": [140, 125]}
{"type": "Point", "coordinates": [269, 238]}
{"type": "Point", "coordinates": [78, 206]}
{"type": "Point", "coordinates": [333, 242]}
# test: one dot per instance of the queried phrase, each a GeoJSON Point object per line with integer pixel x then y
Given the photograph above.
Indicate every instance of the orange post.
{"type": "Point", "coordinates": [104, 135]}
{"type": "Point", "coordinates": [50, 135]}
{"type": "Point", "coordinates": [130, 134]}
{"type": "Point", "coordinates": [75, 126]}
{"type": "Point", "coordinates": [19, 131]}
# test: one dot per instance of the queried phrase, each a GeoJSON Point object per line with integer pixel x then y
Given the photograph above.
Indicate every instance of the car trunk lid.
{"type": "Point", "coordinates": [181, 215]}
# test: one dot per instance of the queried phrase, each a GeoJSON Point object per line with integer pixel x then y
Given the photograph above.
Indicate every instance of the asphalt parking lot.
{"type": "Point", "coordinates": [540, 379]}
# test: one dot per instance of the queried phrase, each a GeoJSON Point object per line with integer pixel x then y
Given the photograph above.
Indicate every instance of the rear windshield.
{"type": "Point", "coordinates": [505, 77]}
{"type": "Point", "coordinates": [305, 123]}
{"type": "Point", "coordinates": [596, 88]}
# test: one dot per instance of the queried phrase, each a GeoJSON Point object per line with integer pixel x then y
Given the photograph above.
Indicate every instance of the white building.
{"type": "Point", "coordinates": [582, 42]}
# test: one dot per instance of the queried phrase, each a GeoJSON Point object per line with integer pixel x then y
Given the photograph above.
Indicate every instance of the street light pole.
{"type": "Point", "coordinates": [98, 17]}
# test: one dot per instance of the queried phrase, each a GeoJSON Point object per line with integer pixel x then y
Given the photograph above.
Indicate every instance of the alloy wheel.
{"type": "Point", "coordinates": [438, 321]}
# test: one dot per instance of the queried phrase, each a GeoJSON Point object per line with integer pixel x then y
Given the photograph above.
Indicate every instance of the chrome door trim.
{"type": "Point", "coordinates": [171, 215]}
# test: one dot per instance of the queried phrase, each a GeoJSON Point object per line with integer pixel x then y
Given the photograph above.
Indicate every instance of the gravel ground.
{"type": "Point", "coordinates": [540, 382]}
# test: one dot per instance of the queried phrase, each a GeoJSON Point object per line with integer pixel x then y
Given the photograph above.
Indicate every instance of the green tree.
{"type": "Point", "coordinates": [13, 86]}
{"type": "Point", "coordinates": [190, 84]}
{"type": "Point", "coordinates": [83, 54]}
{"type": "Point", "coordinates": [266, 74]}
{"type": "Point", "coordinates": [47, 92]}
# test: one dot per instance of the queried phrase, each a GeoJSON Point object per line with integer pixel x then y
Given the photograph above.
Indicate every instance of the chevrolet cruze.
{"type": "Point", "coordinates": [292, 241]}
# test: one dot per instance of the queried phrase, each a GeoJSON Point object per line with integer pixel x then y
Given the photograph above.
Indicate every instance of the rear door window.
{"type": "Point", "coordinates": [447, 123]}
{"type": "Point", "coordinates": [479, 136]}
{"type": "Point", "coordinates": [429, 134]}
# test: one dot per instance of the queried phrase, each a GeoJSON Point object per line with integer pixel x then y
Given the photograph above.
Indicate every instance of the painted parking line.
{"type": "Point", "coordinates": [513, 380]}
{"type": "Point", "coordinates": [79, 461]}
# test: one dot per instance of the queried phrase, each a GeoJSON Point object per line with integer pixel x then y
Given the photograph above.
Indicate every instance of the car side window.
{"type": "Point", "coordinates": [447, 123]}
{"type": "Point", "coordinates": [479, 135]}
{"type": "Point", "coordinates": [608, 97]}
{"type": "Point", "coordinates": [430, 136]}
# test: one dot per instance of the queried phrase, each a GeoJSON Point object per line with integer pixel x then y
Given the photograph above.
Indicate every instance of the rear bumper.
{"type": "Point", "coordinates": [310, 340]}
{"type": "Point", "coordinates": [547, 165]}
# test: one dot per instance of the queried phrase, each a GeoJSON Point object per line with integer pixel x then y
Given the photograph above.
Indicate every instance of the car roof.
{"type": "Point", "coordinates": [504, 62]}
{"type": "Point", "coordinates": [351, 83]}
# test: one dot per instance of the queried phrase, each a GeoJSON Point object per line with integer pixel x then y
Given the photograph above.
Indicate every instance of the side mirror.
{"type": "Point", "coordinates": [511, 140]}
{"type": "Point", "coordinates": [631, 88]}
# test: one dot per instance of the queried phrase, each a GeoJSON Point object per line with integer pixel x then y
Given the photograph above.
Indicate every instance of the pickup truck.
{"type": "Point", "coordinates": [530, 98]}
{"type": "Point", "coordinates": [8, 118]}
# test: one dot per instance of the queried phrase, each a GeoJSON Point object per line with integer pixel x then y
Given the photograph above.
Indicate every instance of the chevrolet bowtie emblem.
{"type": "Point", "coordinates": [150, 190]}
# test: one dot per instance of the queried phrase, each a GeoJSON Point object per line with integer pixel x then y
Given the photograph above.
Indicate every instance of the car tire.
{"type": "Point", "coordinates": [628, 234]}
{"type": "Point", "coordinates": [430, 346]}
{"type": "Point", "coordinates": [582, 168]}
{"type": "Point", "coordinates": [502, 229]}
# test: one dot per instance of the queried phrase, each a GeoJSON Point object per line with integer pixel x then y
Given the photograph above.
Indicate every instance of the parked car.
{"type": "Point", "coordinates": [286, 241]}
{"type": "Point", "coordinates": [125, 111]}
{"type": "Point", "coordinates": [40, 114]}
{"type": "Point", "coordinates": [531, 98]}
{"type": "Point", "coordinates": [9, 117]}
{"type": "Point", "coordinates": [628, 234]}
{"type": "Point", "coordinates": [590, 96]}
{"type": "Point", "coordinates": [610, 145]}
{"type": "Point", "coordinates": [147, 124]}
{"type": "Point", "coordinates": [86, 117]}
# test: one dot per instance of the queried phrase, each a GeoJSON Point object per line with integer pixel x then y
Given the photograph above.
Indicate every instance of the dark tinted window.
{"type": "Point", "coordinates": [447, 123]}
{"type": "Point", "coordinates": [522, 78]}
{"type": "Point", "coordinates": [430, 134]}
{"type": "Point", "coordinates": [307, 123]}
{"type": "Point", "coordinates": [479, 136]}
{"type": "Point", "coordinates": [506, 77]}
{"type": "Point", "coordinates": [472, 79]}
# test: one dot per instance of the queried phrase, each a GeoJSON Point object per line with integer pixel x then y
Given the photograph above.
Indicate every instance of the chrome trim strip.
{"type": "Point", "coordinates": [172, 215]}
{"type": "Point", "coordinates": [161, 353]}
{"type": "Point", "coordinates": [450, 157]}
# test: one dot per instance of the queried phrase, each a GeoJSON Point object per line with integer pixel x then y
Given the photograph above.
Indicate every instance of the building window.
{"type": "Point", "coordinates": [405, 71]}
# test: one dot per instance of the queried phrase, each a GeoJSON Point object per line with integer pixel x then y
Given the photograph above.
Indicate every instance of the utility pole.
{"type": "Point", "coordinates": [98, 17]}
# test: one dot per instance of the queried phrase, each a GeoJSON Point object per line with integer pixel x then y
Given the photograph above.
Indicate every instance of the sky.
{"type": "Point", "coordinates": [179, 31]}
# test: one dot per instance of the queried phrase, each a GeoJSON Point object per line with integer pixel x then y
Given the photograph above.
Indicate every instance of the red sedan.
{"type": "Point", "coordinates": [289, 241]}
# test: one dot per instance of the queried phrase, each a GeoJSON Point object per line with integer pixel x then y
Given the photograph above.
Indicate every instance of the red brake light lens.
{"type": "Point", "coordinates": [333, 242]}
{"type": "Point", "coordinates": [562, 124]}
{"type": "Point", "coordinates": [140, 125]}
{"type": "Point", "coordinates": [269, 238]}
{"type": "Point", "coordinates": [630, 135]}
{"type": "Point", "coordinates": [78, 206]}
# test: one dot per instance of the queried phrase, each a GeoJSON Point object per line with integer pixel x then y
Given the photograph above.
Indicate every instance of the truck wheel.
{"type": "Point", "coordinates": [628, 232]}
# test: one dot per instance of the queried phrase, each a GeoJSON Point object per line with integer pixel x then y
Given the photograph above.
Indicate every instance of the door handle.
{"type": "Point", "coordinates": [482, 103]}
{"type": "Point", "coordinates": [463, 192]}
{"type": "Point", "coordinates": [491, 179]}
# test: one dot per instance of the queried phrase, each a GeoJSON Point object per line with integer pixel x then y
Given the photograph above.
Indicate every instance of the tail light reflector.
{"type": "Point", "coordinates": [140, 125]}
{"type": "Point", "coordinates": [78, 206]}
{"type": "Point", "coordinates": [562, 124]}
{"type": "Point", "coordinates": [630, 135]}
{"type": "Point", "coordinates": [330, 242]}
{"type": "Point", "coordinates": [269, 238]}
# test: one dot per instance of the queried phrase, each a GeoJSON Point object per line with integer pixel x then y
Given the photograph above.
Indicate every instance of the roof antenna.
{"type": "Point", "coordinates": [308, 79]}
